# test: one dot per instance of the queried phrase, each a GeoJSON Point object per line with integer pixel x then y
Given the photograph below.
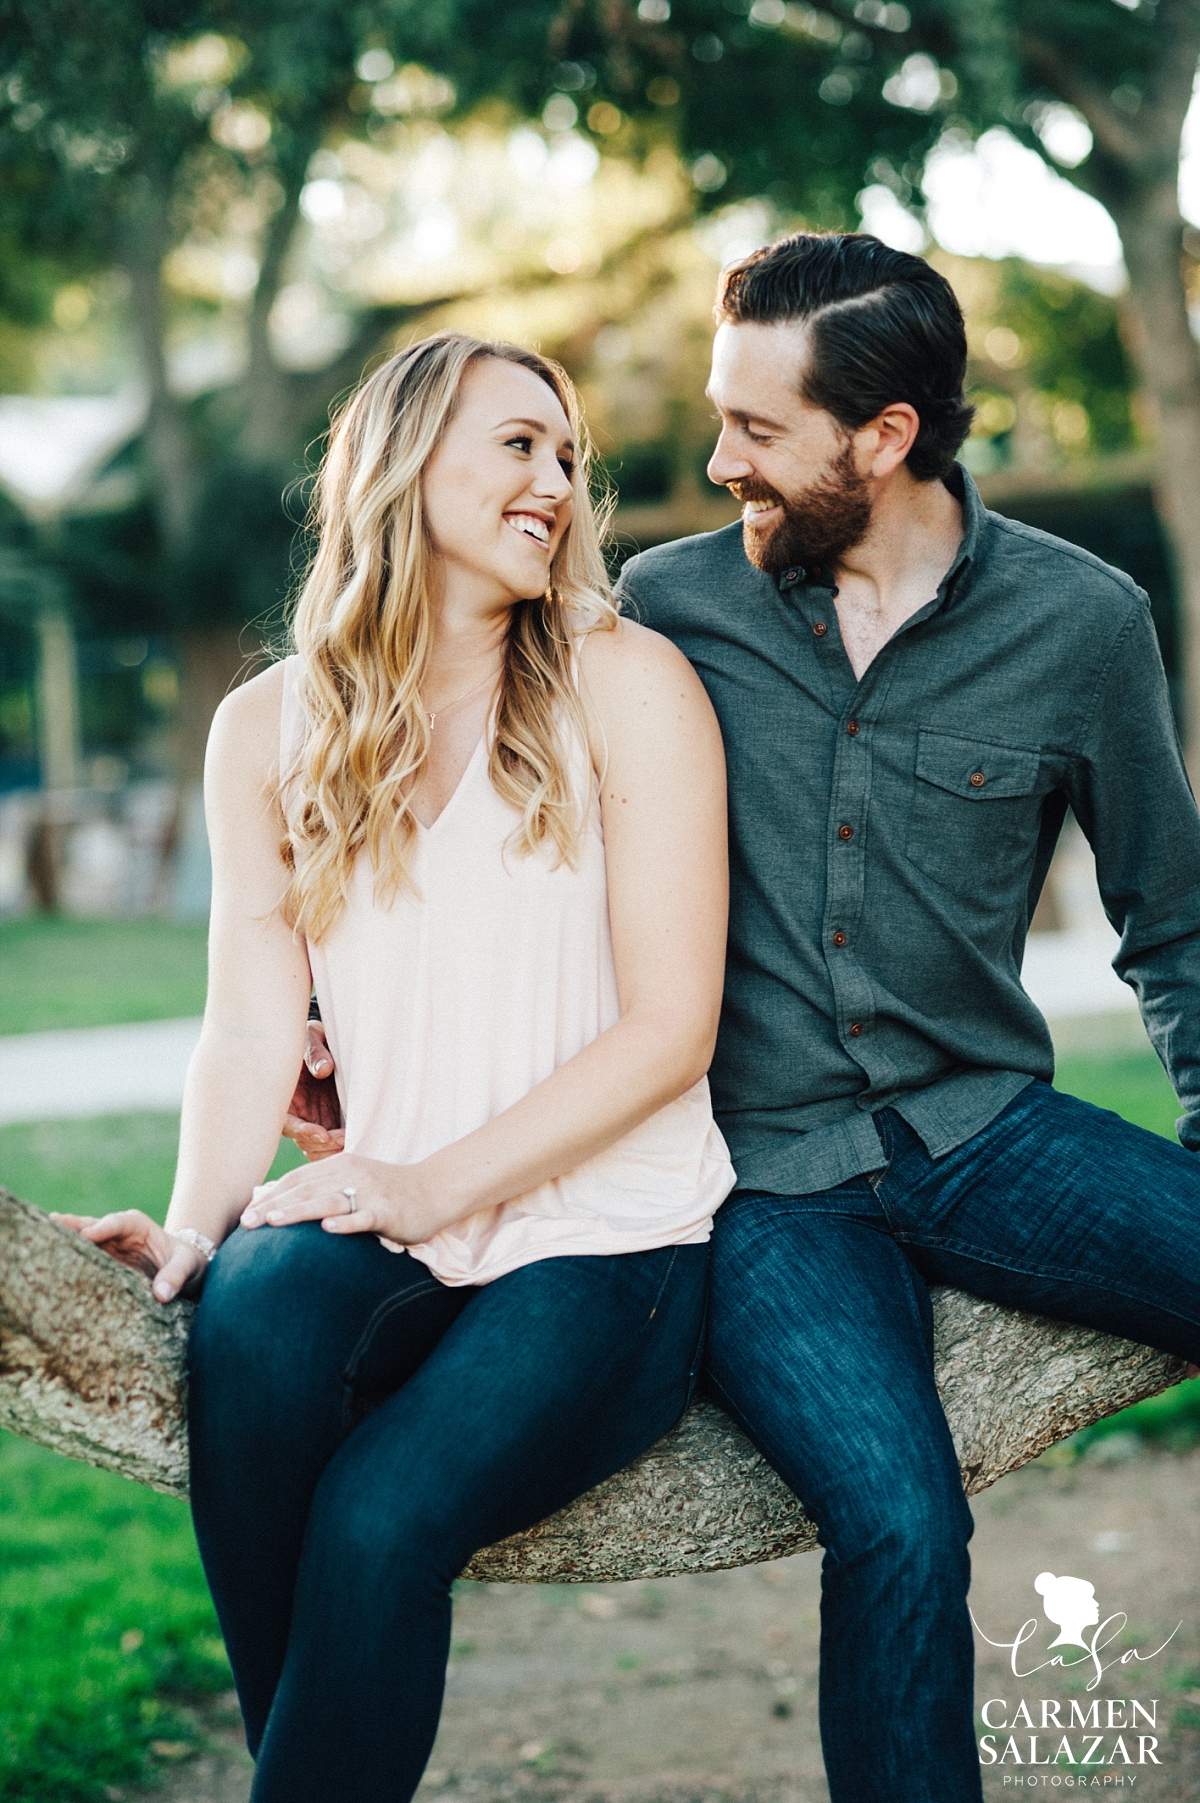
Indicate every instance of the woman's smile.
{"type": "Point", "coordinates": [537, 526]}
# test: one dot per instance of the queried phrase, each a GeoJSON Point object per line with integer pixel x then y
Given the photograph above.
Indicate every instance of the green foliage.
{"type": "Point", "coordinates": [56, 972]}
{"type": "Point", "coordinates": [1073, 343]}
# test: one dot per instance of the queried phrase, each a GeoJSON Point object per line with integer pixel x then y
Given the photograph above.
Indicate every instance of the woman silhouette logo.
{"type": "Point", "coordinates": [1070, 1603]}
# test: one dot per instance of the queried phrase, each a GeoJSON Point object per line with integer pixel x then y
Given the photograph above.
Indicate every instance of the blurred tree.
{"type": "Point", "coordinates": [121, 122]}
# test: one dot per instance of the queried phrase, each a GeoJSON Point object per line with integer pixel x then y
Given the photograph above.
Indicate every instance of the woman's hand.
{"type": "Point", "coordinates": [133, 1239]}
{"type": "Point", "coordinates": [349, 1194]}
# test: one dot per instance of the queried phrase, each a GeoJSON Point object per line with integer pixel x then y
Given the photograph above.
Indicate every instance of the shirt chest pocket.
{"type": "Point", "coordinates": [975, 812]}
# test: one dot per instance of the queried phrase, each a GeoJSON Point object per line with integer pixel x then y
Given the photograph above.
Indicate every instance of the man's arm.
{"type": "Point", "coordinates": [1131, 795]}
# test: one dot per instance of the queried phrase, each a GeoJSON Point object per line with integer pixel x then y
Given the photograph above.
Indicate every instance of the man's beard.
{"type": "Point", "coordinates": [818, 526]}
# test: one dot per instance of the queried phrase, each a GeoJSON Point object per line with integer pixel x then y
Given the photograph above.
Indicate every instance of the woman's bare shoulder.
{"type": "Point", "coordinates": [646, 695]}
{"type": "Point", "coordinates": [246, 725]}
{"type": "Point", "coordinates": [633, 655]}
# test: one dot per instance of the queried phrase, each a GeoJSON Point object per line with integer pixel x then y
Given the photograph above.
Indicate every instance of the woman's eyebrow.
{"type": "Point", "coordinates": [537, 425]}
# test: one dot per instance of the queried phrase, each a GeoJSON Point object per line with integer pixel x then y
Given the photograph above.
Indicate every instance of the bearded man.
{"type": "Point", "coordinates": [912, 692]}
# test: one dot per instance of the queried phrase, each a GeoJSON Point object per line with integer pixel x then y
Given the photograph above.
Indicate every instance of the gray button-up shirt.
{"type": "Point", "coordinates": [889, 837]}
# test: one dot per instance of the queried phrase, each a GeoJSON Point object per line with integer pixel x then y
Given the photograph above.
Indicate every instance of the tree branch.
{"type": "Point", "coordinates": [92, 1366]}
{"type": "Point", "coordinates": [1115, 134]}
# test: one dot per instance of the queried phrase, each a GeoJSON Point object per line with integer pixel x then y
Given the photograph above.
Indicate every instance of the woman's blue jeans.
{"type": "Point", "coordinates": [821, 1346]}
{"type": "Point", "coordinates": [358, 1430]}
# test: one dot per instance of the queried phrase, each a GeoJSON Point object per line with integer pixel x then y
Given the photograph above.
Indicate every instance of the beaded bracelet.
{"type": "Point", "coordinates": [200, 1241]}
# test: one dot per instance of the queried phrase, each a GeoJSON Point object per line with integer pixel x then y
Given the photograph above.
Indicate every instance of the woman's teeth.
{"type": "Point", "coordinates": [530, 524]}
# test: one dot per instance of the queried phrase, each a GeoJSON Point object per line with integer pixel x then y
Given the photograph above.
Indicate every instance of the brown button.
{"type": "Point", "coordinates": [847, 832]}
{"type": "Point", "coordinates": [820, 629]}
{"type": "Point", "coordinates": [977, 780]}
{"type": "Point", "coordinates": [852, 728]}
{"type": "Point", "coordinates": [856, 1029]}
{"type": "Point", "coordinates": [839, 938]}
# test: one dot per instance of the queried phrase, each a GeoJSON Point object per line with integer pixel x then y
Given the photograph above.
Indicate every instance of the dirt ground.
{"type": "Point", "coordinates": [704, 1689]}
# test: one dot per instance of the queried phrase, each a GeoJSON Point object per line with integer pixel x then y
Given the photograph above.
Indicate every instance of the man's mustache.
{"type": "Point", "coordinates": [753, 490]}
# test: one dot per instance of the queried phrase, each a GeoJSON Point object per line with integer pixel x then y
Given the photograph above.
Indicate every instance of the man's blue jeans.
{"type": "Point", "coordinates": [820, 1346]}
{"type": "Point", "coordinates": [358, 1430]}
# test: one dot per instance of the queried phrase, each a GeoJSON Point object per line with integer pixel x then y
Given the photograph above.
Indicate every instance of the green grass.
{"type": "Point", "coordinates": [1130, 1081]}
{"type": "Point", "coordinates": [105, 1628]}
{"type": "Point", "coordinates": [97, 973]}
{"type": "Point", "coordinates": [90, 1167]}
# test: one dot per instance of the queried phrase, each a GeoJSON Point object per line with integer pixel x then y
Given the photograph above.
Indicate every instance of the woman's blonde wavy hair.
{"type": "Point", "coordinates": [364, 624]}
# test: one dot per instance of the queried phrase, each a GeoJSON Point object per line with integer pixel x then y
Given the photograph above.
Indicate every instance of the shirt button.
{"type": "Point", "coordinates": [839, 938]}
{"type": "Point", "coordinates": [977, 780]}
{"type": "Point", "coordinates": [845, 832]}
{"type": "Point", "coordinates": [791, 575]}
{"type": "Point", "coordinates": [852, 728]}
{"type": "Point", "coordinates": [820, 629]}
{"type": "Point", "coordinates": [856, 1029]}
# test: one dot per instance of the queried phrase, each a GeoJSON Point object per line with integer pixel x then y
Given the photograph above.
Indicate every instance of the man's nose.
{"type": "Point", "coordinates": [727, 464]}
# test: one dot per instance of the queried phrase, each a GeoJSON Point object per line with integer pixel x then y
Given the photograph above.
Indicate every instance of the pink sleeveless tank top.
{"type": "Point", "coordinates": [448, 1004]}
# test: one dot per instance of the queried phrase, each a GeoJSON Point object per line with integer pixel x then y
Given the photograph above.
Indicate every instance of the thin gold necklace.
{"type": "Point", "coordinates": [466, 696]}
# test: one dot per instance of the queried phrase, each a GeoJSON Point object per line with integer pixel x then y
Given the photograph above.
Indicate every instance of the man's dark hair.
{"type": "Point", "coordinates": [885, 327]}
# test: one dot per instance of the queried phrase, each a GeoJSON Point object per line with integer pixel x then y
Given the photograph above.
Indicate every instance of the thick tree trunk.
{"type": "Point", "coordinates": [1134, 171]}
{"type": "Point", "coordinates": [91, 1366]}
{"type": "Point", "coordinates": [1151, 233]}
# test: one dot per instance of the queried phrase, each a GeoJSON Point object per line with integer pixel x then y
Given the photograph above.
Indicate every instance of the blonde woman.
{"type": "Point", "coordinates": [485, 818]}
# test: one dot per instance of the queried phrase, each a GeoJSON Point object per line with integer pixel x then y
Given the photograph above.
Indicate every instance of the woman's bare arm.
{"type": "Point", "coordinates": [663, 808]}
{"type": "Point", "coordinates": [243, 1072]}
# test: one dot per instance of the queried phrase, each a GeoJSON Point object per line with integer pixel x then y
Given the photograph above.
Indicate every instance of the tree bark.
{"type": "Point", "coordinates": [92, 1366]}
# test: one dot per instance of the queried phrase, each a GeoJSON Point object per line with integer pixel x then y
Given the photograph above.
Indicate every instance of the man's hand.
{"type": "Point", "coordinates": [314, 1116]}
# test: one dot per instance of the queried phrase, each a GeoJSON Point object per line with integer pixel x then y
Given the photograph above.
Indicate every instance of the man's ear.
{"type": "Point", "coordinates": [886, 440]}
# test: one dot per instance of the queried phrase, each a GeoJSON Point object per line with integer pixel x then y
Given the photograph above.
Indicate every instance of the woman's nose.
{"type": "Point", "coordinates": [552, 481]}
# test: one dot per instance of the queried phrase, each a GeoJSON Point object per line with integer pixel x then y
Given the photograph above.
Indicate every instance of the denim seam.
{"type": "Point", "coordinates": [663, 1285]}
{"type": "Point", "coordinates": [381, 1314]}
{"type": "Point", "coordinates": [1056, 1274]}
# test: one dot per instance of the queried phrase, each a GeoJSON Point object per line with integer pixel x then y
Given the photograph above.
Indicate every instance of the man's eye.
{"type": "Point", "coordinates": [523, 443]}
{"type": "Point", "coordinates": [758, 437]}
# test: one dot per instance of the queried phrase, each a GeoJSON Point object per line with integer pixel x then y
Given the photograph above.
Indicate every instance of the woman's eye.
{"type": "Point", "coordinates": [523, 443]}
{"type": "Point", "coordinates": [566, 466]}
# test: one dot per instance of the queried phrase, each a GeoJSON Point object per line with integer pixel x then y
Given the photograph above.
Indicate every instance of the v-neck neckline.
{"type": "Point", "coordinates": [458, 788]}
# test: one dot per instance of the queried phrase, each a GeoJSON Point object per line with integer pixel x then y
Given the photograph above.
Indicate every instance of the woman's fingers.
{"type": "Point", "coordinates": [284, 1211]}
{"type": "Point", "coordinates": [76, 1223]}
{"type": "Point", "coordinates": [182, 1263]}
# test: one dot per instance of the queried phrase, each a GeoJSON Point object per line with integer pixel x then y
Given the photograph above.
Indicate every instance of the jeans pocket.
{"type": "Point", "coordinates": [385, 1357]}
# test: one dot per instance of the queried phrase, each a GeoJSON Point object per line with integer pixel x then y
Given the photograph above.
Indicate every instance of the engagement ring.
{"type": "Point", "coordinates": [350, 1195]}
